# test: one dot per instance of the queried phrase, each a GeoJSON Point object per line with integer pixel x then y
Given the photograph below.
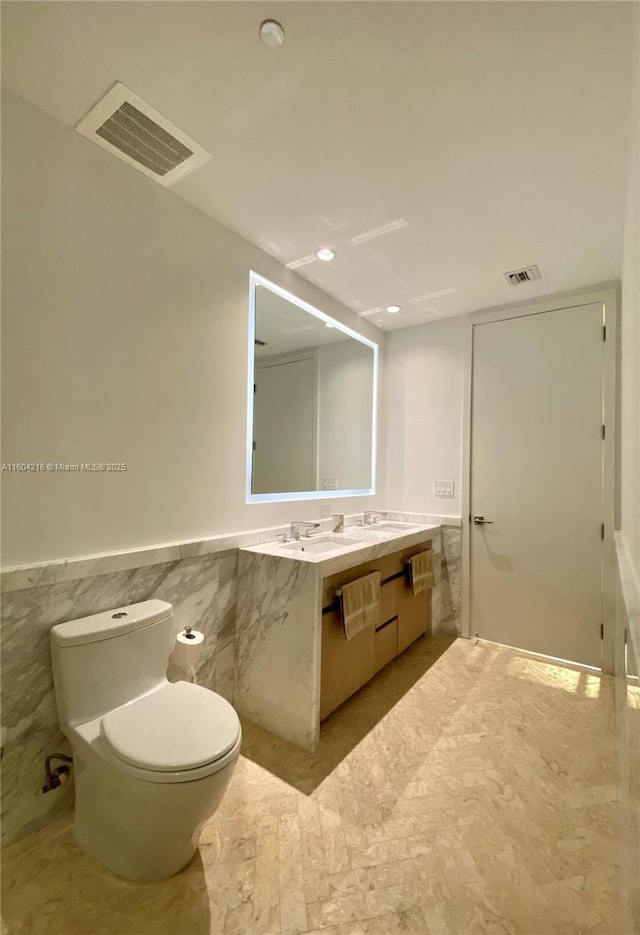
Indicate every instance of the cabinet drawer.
{"type": "Point", "coordinates": [386, 644]}
{"type": "Point", "coordinates": [346, 664]}
{"type": "Point", "coordinates": [388, 601]}
{"type": "Point", "coordinates": [414, 614]}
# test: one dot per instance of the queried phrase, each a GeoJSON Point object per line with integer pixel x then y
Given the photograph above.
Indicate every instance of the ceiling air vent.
{"type": "Point", "coordinates": [126, 126]}
{"type": "Point", "coordinates": [526, 274]}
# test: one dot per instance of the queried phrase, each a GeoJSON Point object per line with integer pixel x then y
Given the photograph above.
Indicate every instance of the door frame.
{"type": "Point", "coordinates": [608, 295]}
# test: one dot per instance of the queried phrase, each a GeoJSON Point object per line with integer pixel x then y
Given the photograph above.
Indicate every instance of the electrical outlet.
{"type": "Point", "coordinates": [443, 488]}
{"type": "Point", "coordinates": [329, 483]}
{"type": "Point", "coordinates": [325, 510]}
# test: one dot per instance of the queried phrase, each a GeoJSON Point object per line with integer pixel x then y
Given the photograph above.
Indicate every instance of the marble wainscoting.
{"type": "Point", "coordinates": [451, 581]}
{"type": "Point", "coordinates": [202, 590]}
{"type": "Point", "coordinates": [627, 699]}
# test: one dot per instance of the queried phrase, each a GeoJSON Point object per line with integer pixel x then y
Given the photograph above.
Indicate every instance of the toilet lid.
{"type": "Point", "coordinates": [177, 727]}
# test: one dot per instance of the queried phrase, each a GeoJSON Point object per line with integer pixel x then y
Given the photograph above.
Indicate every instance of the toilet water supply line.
{"type": "Point", "coordinates": [57, 776]}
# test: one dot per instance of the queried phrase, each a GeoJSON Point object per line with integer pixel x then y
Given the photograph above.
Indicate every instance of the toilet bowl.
{"type": "Point", "coordinates": [152, 759]}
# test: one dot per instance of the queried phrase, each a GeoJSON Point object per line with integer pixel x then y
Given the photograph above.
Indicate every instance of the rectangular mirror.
{"type": "Point", "coordinates": [311, 421]}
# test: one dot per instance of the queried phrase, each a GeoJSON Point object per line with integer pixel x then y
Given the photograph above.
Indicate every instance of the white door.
{"type": "Point", "coordinates": [284, 420]}
{"type": "Point", "coordinates": [536, 479]}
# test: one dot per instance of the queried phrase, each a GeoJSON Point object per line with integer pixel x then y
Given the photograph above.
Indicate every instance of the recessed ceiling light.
{"type": "Point", "coordinates": [329, 324]}
{"type": "Point", "coordinates": [392, 309]}
{"type": "Point", "coordinates": [325, 253]}
{"type": "Point", "coordinates": [271, 32]}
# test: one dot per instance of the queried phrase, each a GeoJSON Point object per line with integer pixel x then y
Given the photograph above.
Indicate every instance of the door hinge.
{"type": "Point", "coordinates": [602, 531]}
{"type": "Point", "coordinates": [604, 332]}
{"type": "Point", "coordinates": [604, 431]}
{"type": "Point", "coordinates": [254, 387]}
{"type": "Point", "coordinates": [254, 446]}
{"type": "Point", "coordinates": [602, 631]}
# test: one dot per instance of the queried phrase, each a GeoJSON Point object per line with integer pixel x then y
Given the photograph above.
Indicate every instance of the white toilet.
{"type": "Point", "coordinates": [151, 758]}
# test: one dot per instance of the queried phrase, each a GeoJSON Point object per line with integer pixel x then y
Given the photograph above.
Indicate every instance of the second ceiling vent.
{"type": "Point", "coordinates": [526, 274]}
{"type": "Point", "coordinates": [129, 128]}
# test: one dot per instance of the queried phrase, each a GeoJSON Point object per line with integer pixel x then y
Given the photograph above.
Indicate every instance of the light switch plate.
{"type": "Point", "coordinates": [443, 488]}
{"type": "Point", "coordinates": [329, 483]}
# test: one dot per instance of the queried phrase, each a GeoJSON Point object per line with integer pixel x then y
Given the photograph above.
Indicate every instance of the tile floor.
{"type": "Point", "coordinates": [469, 789]}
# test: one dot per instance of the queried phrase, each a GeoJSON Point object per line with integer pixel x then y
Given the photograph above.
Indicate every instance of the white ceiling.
{"type": "Point", "coordinates": [286, 327]}
{"type": "Point", "coordinates": [480, 136]}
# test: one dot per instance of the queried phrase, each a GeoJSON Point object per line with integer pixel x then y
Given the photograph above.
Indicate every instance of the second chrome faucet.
{"type": "Point", "coordinates": [298, 525]}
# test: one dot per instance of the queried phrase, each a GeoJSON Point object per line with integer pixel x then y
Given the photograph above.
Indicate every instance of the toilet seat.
{"type": "Point", "coordinates": [175, 733]}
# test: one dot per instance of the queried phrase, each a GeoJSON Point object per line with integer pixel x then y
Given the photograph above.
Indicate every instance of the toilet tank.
{"type": "Point", "coordinates": [103, 661]}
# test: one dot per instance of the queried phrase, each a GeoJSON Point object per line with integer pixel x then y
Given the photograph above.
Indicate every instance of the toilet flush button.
{"type": "Point", "coordinates": [118, 616]}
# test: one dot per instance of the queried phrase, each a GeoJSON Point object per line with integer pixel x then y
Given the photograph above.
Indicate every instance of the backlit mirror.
{"type": "Point", "coordinates": [311, 427]}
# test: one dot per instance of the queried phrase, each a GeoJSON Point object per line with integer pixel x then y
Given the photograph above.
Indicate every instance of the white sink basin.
{"type": "Point", "coordinates": [325, 544]}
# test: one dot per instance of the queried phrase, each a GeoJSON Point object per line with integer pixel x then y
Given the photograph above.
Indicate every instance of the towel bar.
{"type": "Point", "coordinates": [398, 574]}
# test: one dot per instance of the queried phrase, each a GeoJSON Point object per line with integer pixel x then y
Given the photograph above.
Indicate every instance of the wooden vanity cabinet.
{"type": "Point", "coordinates": [347, 665]}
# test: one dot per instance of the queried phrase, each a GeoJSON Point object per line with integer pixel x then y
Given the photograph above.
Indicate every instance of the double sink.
{"type": "Point", "coordinates": [329, 543]}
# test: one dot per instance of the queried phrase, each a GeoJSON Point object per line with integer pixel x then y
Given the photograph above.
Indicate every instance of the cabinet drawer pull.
{"type": "Point", "coordinates": [386, 624]}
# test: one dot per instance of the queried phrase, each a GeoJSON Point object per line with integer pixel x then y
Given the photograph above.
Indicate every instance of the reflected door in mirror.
{"type": "Point", "coordinates": [284, 419]}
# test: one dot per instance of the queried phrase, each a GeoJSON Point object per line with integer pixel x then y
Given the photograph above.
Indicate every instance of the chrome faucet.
{"type": "Point", "coordinates": [298, 525]}
{"type": "Point", "coordinates": [338, 526]}
{"type": "Point", "coordinates": [373, 516]}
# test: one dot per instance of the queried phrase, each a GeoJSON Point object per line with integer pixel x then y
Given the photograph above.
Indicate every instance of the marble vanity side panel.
{"type": "Point", "coordinates": [278, 646]}
{"type": "Point", "coordinates": [203, 592]}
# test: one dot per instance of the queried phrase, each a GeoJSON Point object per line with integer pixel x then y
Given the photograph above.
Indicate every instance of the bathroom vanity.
{"type": "Point", "coordinates": [294, 665]}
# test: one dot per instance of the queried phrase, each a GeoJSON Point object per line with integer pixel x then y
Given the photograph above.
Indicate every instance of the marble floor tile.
{"type": "Point", "coordinates": [468, 790]}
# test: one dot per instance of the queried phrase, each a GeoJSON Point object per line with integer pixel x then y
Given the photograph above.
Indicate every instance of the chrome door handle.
{"type": "Point", "coordinates": [481, 521]}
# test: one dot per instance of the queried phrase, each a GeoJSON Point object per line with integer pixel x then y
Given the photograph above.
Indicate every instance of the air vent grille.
{"type": "Point", "coordinates": [130, 131]}
{"type": "Point", "coordinates": [129, 128]}
{"type": "Point", "coordinates": [526, 274]}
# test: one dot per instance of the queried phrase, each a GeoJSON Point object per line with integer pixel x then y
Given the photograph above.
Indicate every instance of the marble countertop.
{"type": "Point", "coordinates": [361, 544]}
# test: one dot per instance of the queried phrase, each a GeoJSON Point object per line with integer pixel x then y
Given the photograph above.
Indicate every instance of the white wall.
{"type": "Point", "coordinates": [423, 381]}
{"type": "Point", "coordinates": [345, 396]}
{"type": "Point", "coordinates": [124, 340]}
{"type": "Point", "coordinates": [630, 340]}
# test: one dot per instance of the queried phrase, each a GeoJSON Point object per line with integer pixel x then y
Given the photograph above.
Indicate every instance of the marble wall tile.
{"type": "Point", "coordinates": [627, 662]}
{"type": "Point", "coordinates": [203, 593]}
{"type": "Point", "coordinates": [451, 580]}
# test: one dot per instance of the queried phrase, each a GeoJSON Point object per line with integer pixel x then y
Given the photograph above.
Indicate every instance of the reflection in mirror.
{"type": "Point", "coordinates": [312, 401]}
